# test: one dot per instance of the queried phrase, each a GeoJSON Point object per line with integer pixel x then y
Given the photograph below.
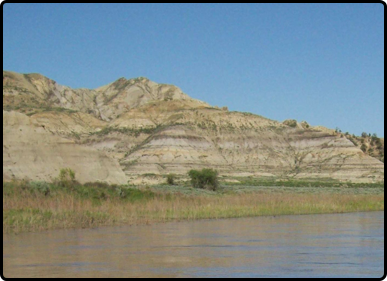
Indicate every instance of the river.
{"type": "Point", "coordinates": [330, 245]}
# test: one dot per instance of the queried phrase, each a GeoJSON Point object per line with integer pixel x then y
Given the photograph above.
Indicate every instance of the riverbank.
{"type": "Point", "coordinates": [37, 206]}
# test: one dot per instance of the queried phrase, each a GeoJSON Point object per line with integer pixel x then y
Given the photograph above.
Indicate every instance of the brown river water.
{"type": "Point", "coordinates": [331, 245]}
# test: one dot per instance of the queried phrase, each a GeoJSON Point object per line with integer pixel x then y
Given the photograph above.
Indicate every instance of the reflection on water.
{"type": "Point", "coordinates": [334, 245]}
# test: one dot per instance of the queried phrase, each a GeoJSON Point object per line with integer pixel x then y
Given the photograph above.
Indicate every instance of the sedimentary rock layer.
{"type": "Point", "coordinates": [134, 127]}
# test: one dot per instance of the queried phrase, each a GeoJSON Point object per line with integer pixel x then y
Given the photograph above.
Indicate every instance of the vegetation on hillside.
{"type": "Point", "coordinates": [171, 179]}
{"type": "Point", "coordinates": [369, 144]}
{"type": "Point", "coordinates": [290, 122]}
{"type": "Point", "coordinates": [127, 131]}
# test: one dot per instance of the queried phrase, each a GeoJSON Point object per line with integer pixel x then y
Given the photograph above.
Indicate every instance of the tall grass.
{"type": "Point", "coordinates": [321, 182]}
{"type": "Point", "coordinates": [29, 207]}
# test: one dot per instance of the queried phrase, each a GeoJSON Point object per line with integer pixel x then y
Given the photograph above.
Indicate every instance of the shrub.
{"type": "Point", "coordinates": [66, 177]}
{"type": "Point", "coordinates": [66, 174]}
{"type": "Point", "coordinates": [171, 179]}
{"type": "Point", "coordinates": [290, 122]}
{"type": "Point", "coordinates": [353, 141]}
{"type": "Point", "coordinates": [206, 178]}
{"type": "Point", "coordinates": [40, 186]}
{"type": "Point", "coordinates": [97, 184]}
{"type": "Point", "coordinates": [304, 124]}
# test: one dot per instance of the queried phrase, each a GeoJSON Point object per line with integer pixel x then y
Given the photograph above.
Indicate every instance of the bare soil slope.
{"type": "Point", "coordinates": [133, 127]}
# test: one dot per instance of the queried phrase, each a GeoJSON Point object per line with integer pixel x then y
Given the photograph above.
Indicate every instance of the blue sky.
{"type": "Point", "coordinates": [323, 63]}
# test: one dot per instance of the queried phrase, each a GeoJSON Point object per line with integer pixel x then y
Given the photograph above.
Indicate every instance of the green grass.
{"type": "Point", "coordinates": [242, 189]}
{"type": "Point", "coordinates": [37, 206]}
{"type": "Point", "coordinates": [127, 131]}
{"type": "Point", "coordinates": [23, 107]}
{"type": "Point", "coordinates": [250, 181]}
{"type": "Point", "coordinates": [90, 190]}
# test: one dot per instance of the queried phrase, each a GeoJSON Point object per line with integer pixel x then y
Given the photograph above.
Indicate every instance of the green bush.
{"type": "Point", "coordinates": [40, 186]}
{"type": "Point", "coordinates": [66, 177]}
{"type": "Point", "coordinates": [205, 179]}
{"type": "Point", "coordinates": [171, 179]}
{"type": "Point", "coordinates": [290, 122]}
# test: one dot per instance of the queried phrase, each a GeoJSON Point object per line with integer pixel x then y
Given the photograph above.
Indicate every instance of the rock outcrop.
{"type": "Point", "coordinates": [132, 127]}
{"type": "Point", "coordinates": [31, 151]}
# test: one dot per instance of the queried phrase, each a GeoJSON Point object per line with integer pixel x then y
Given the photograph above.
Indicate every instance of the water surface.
{"type": "Point", "coordinates": [332, 245]}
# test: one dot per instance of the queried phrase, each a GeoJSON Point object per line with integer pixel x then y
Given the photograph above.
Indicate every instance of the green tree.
{"type": "Point", "coordinates": [206, 179]}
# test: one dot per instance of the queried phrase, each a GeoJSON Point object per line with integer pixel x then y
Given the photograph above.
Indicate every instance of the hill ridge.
{"type": "Point", "coordinates": [145, 127]}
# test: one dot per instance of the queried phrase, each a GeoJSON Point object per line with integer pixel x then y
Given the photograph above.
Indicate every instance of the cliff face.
{"type": "Point", "coordinates": [133, 127]}
{"type": "Point", "coordinates": [31, 151]}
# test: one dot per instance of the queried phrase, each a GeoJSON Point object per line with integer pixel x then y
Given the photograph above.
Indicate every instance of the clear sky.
{"type": "Point", "coordinates": [323, 63]}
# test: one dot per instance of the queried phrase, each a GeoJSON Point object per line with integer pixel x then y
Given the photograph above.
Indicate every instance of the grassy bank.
{"type": "Point", "coordinates": [305, 182]}
{"type": "Point", "coordinates": [36, 206]}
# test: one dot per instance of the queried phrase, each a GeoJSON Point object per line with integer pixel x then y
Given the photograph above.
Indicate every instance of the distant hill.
{"type": "Point", "coordinates": [128, 128]}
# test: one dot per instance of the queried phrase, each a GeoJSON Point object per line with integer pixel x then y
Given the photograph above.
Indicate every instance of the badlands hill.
{"type": "Point", "coordinates": [128, 128]}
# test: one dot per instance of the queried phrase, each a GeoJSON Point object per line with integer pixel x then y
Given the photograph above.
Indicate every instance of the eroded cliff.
{"type": "Point", "coordinates": [131, 127]}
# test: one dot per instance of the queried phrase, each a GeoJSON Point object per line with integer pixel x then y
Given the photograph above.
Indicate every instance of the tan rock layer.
{"type": "Point", "coordinates": [133, 127]}
{"type": "Point", "coordinates": [31, 152]}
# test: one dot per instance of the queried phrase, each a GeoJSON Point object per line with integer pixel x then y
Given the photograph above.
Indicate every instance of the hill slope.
{"type": "Point", "coordinates": [133, 127]}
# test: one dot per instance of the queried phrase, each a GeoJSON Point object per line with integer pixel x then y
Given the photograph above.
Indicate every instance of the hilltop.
{"type": "Point", "coordinates": [130, 128]}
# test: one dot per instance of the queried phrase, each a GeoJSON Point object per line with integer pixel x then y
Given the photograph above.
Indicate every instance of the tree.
{"type": "Point", "coordinates": [206, 179]}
